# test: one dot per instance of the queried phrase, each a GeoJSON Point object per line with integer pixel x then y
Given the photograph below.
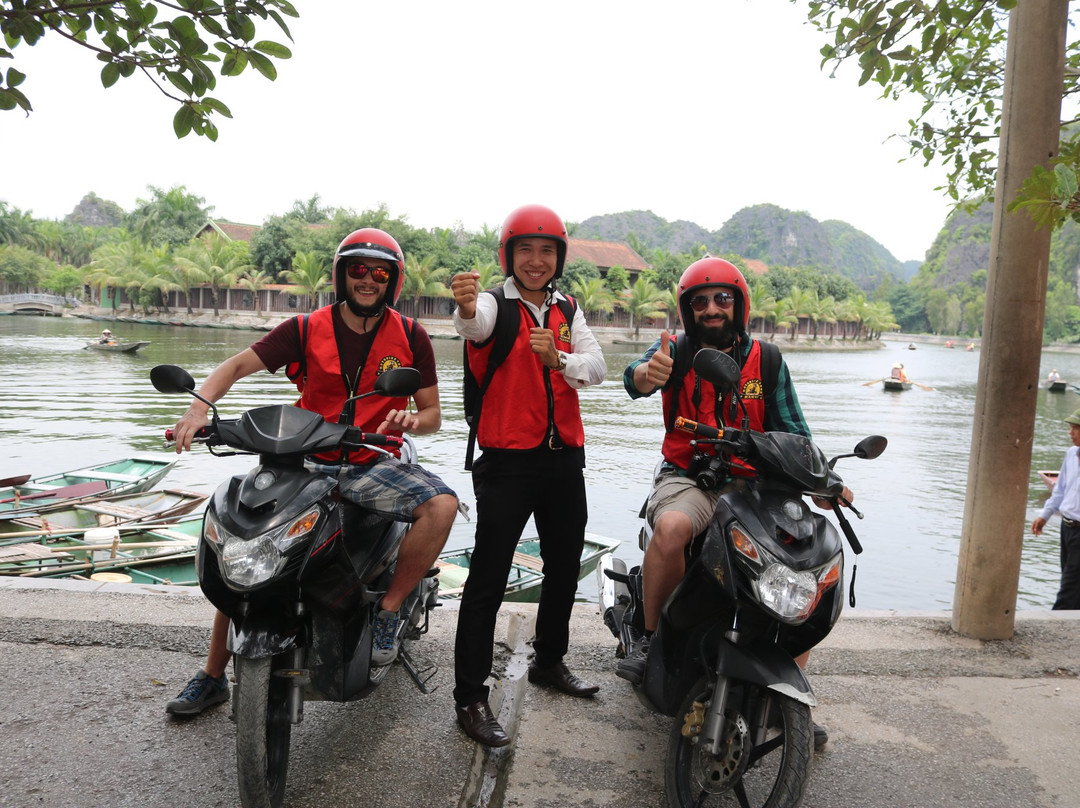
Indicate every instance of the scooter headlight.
{"type": "Point", "coordinates": [792, 596]}
{"type": "Point", "coordinates": [249, 562]}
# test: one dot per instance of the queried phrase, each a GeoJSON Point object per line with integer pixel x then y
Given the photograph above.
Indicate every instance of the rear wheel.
{"type": "Point", "coordinates": [770, 773]}
{"type": "Point", "coordinates": [263, 731]}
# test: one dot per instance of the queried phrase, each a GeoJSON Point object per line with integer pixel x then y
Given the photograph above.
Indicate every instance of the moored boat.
{"type": "Point", "coordinates": [526, 570]}
{"type": "Point", "coordinates": [163, 554]}
{"type": "Point", "coordinates": [47, 492]}
{"type": "Point", "coordinates": [148, 506]}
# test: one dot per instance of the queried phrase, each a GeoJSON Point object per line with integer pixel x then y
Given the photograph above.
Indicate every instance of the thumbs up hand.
{"type": "Point", "coordinates": [658, 370]}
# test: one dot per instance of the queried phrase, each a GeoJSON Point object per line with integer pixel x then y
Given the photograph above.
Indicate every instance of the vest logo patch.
{"type": "Point", "coordinates": [387, 363]}
{"type": "Point", "coordinates": [564, 333]}
{"type": "Point", "coordinates": [753, 389]}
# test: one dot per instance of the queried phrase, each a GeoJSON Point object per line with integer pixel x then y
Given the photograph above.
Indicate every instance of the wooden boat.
{"type": "Point", "coordinates": [894, 385]}
{"type": "Point", "coordinates": [160, 505]}
{"type": "Point", "coordinates": [1056, 387]}
{"type": "Point", "coordinates": [1048, 477]}
{"type": "Point", "coordinates": [51, 491]}
{"type": "Point", "coordinates": [161, 554]}
{"type": "Point", "coordinates": [117, 347]}
{"type": "Point", "coordinates": [526, 571]}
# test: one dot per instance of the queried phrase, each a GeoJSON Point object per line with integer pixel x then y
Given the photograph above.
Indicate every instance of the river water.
{"type": "Point", "coordinates": [65, 407]}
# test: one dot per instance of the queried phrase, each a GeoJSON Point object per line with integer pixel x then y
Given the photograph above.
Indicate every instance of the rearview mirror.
{"type": "Point", "coordinates": [870, 447]}
{"type": "Point", "coordinates": [717, 367]}
{"type": "Point", "coordinates": [398, 382]}
{"type": "Point", "coordinates": [171, 379]}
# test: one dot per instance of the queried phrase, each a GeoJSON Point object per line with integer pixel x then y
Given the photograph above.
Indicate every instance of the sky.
{"type": "Point", "coordinates": [456, 113]}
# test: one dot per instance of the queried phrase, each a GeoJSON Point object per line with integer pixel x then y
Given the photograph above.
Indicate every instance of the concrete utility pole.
{"type": "Point", "coordinates": [995, 509]}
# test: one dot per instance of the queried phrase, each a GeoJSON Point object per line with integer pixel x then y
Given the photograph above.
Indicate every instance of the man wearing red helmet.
{"type": "Point", "coordinates": [331, 355]}
{"type": "Point", "coordinates": [530, 430]}
{"type": "Point", "coordinates": [714, 309]}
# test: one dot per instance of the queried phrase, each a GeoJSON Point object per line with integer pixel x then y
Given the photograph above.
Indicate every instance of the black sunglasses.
{"type": "Point", "coordinates": [378, 274]}
{"type": "Point", "coordinates": [721, 299]}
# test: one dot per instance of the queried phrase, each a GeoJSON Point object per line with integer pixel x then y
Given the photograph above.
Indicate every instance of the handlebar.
{"type": "Point", "coordinates": [202, 433]}
{"type": "Point", "coordinates": [353, 437]}
{"type": "Point", "coordinates": [701, 430]}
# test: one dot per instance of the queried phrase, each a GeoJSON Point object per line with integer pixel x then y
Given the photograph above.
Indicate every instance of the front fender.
{"type": "Point", "coordinates": [766, 664]}
{"type": "Point", "coordinates": [258, 636]}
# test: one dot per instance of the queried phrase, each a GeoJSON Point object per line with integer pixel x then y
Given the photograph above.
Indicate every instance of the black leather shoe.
{"type": "Point", "coordinates": [480, 725]}
{"type": "Point", "coordinates": [821, 737]}
{"type": "Point", "coordinates": [560, 678]}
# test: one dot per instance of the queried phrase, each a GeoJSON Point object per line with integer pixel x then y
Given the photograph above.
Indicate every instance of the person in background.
{"type": "Point", "coordinates": [898, 372]}
{"type": "Point", "coordinates": [1065, 499]}
{"type": "Point", "coordinates": [334, 353]}
{"type": "Point", "coordinates": [1053, 376]}
{"type": "Point", "coordinates": [714, 308]}
{"type": "Point", "coordinates": [533, 458]}
{"type": "Point", "coordinates": [106, 337]}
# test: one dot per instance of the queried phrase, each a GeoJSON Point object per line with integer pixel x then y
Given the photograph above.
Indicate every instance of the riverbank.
{"type": "Point", "coordinates": [918, 716]}
{"type": "Point", "coordinates": [444, 329]}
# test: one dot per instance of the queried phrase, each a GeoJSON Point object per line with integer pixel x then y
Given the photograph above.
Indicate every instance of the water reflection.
{"type": "Point", "coordinates": [66, 407]}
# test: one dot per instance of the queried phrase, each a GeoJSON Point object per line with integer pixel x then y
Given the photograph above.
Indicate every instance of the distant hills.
{"type": "Point", "coordinates": [767, 233]}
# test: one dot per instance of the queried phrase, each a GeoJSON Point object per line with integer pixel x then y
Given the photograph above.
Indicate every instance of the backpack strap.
{"type": "Point", "coordinates": [298, 370]}
{"type": "Point", "coordinates": [507, 323]}
{"type": "Point", "coordinates": [770, 367]}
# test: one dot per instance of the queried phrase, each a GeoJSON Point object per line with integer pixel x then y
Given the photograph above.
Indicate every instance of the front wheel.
{"type": "Point", "coordinates": [263, 731]}
{"type": "Point", "coordinates": [766, 771]}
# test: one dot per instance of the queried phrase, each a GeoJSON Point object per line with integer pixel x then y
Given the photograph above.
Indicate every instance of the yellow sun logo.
{"type": "Point", "coordinates": [564, 332]}
{"type": "Point", "coordinates": [753, 389]}
{"type": "Point", "coordinates": [388, 363]}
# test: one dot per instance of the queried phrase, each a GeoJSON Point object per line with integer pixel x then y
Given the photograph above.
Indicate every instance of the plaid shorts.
{"type": "Point", "coordinates": [388, 486]}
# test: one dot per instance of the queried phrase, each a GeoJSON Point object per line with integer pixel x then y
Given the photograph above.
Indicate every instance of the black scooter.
{"type": "Point", "coordinates": [762, 586]}
{"type": "Point", "coordinates": [299, 571]}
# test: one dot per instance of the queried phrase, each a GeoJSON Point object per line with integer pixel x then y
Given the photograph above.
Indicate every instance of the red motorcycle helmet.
{"type": "Point", "coordinates": [714, 272]}
{"type": "Point", "coordinates": [531, 221]}
{"type": "Point", "coordinates": [370, 242]}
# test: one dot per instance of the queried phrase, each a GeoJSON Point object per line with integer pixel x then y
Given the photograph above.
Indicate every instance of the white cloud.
{"type": "Point", "coordinates": [460, 112]}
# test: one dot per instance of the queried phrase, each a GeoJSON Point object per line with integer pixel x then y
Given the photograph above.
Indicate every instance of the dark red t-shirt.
{"type": "Point", "coordinates": [282, 346]}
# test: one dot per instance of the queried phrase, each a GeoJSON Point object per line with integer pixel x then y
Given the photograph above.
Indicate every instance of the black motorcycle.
{"type": "Point", "coordinates": [762, 586]}
{"type": "Point", "coordinates": [299, 571]}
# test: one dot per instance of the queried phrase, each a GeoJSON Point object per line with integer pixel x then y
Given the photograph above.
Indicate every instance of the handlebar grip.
{"type": "Point", "coordinates": [376, 439]}
{"type": "Point", "coordinates": [701, 430]}
{"type": "Point", "coordinates": [202, 433]}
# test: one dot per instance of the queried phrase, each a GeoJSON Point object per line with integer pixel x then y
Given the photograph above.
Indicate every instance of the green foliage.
{"type": "Point", "coordinates": [579, 270]}
{"type": "Point", "coordinates": [21, 270]}
{"type": "Point", "coordinates": [177, 52]}
{"type": "Point", "coordinates": [169, 217]}
{"type": "Point", "coordinates": [617, 279]}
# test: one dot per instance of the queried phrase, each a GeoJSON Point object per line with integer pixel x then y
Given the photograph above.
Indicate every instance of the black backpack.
{"type": "Point", "coordinates": [507, 323]}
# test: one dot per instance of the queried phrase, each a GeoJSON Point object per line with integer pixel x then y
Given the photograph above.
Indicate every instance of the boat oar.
{"type": "Point", "coordinates": [923, 387]}
{"type": "Point", "coordinates": [104, 566]}
{"type": "Point", "coordinates": [78, 531]}
{"type": "Point", "coordinates": [875, 381]}
{"type": "Point", "coordinates": [10, 481]}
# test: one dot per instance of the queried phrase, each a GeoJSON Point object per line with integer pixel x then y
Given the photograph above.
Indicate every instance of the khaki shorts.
{"type": "Point", "coordinates": [672, 492]}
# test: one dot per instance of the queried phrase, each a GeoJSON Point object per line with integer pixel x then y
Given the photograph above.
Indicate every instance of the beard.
{"type": "Point", "coordinates": [720, 336]}
{"type": "Point", "coordinates": [365, 311]}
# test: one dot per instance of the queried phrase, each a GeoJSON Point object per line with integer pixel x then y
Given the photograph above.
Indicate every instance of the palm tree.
{"type": "Point", "coordinates": [670, 301]}
{"type": "Point", "coordinates": [847, 313]}
{"type": "Point", "coordinates": [311, 274]}
{"type": "Point", "coordinates": [158, 264]}
{"type": "Point", "coordinates": [822, 310]}
{"type": "Point", "coordinates": [112, 264]}
{"type": "Point", "coordinates": [763, 307]}
{"type": "Point", "coordinates": [798, 304]}
{"type": "Point", "coordinates": [254, 280]}
{"type": "Point", "coordinates": [219, 262]}
{"type": "Point", "coordinates": [490, 273]}
{"type": "Point", "coordinates": [423, 278]}
{"type": "Point", "coordinates": [642, 300]}
{"type": "Point", "coordinates": [592, 295]}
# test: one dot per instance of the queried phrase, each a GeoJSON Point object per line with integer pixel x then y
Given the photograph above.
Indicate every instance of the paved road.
{"type": "Point", "coordinates": [919, 717]}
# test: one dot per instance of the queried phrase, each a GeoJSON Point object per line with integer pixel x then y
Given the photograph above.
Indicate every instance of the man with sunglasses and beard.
{"type": "Point", "coordinates": [714, 305]}
{"type": "Point", "coordinates": [331, 355]}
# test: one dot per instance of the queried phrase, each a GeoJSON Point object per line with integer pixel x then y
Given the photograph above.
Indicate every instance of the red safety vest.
{"type": "Point", "coordinates": [526, 399]}
{"type": "Point", "coordinates": [324, 388]}
{"type": "Point", "coordinates": [707, 410]}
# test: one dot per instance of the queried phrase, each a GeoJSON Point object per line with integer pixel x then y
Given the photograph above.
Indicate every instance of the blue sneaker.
{"type": "Point", "coordinates": [201, 692]}
{"type": "Point", "coordinates": [384, 637]}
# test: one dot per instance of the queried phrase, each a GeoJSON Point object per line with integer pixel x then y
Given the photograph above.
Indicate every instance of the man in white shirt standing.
{"type": "Point", "coordinates": [1065, 500]}
{"type": "Point", "coordinates": [539, 350]}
